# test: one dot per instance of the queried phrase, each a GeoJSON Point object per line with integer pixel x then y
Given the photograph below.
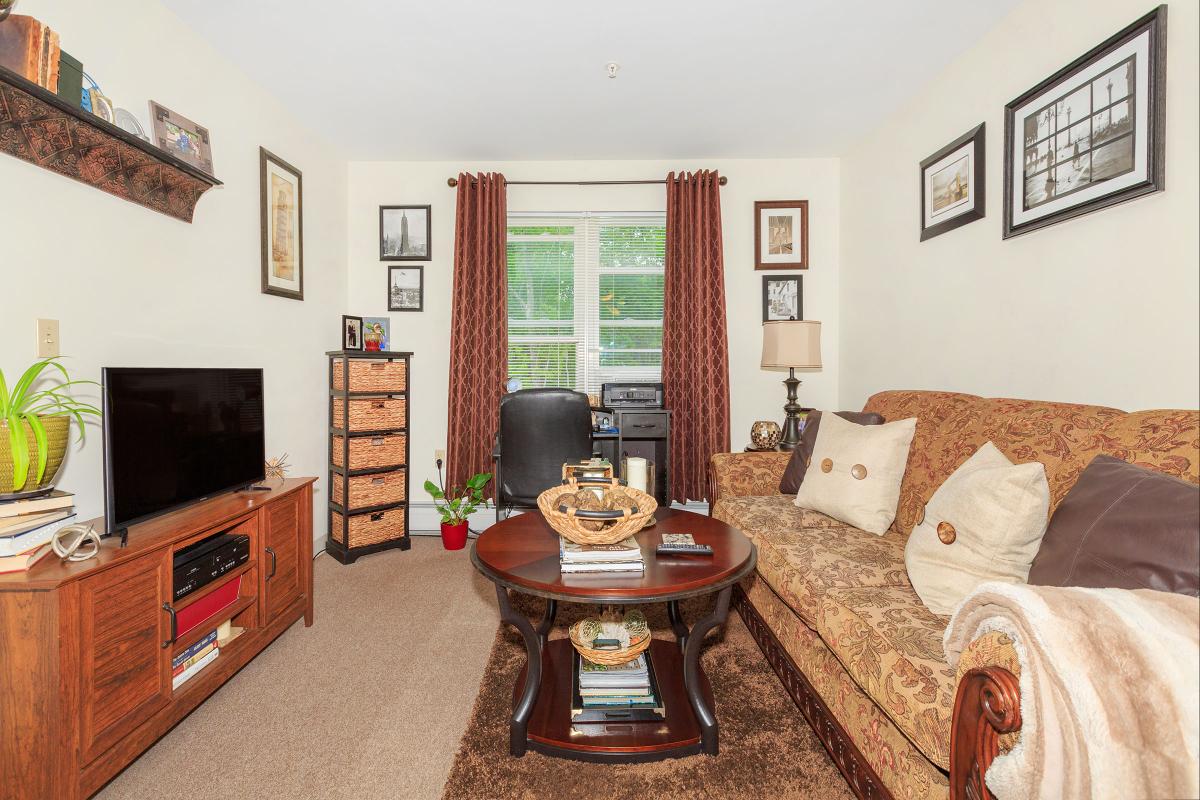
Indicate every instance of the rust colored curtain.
{"type": "Point", "coordinates": [479, 326]}
{"type": "Point", "coordinates": [695, 355]}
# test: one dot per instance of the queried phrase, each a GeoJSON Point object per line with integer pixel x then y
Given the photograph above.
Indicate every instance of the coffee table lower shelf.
{"type": "Point", "coordinates": [550, 730]}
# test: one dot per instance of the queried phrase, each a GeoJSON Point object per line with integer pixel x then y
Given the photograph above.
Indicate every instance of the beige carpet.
{"type": "Point", "coordinates": [367, 704]}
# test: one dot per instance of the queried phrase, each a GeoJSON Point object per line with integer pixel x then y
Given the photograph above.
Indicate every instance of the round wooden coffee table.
{"type": "Point", "coordinates": [521, 553]}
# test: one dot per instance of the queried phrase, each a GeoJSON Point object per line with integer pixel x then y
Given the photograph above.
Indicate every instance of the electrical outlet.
{"type": "Point", "coordinates": [439, 455]}
{"type": "Point", "coordinates": [47, 338]}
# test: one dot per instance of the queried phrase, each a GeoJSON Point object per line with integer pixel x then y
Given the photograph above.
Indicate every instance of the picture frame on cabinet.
{"type": "Point", "coordinates": [352, 332]}
{"type": "Point", "coordinates": [953, 185]}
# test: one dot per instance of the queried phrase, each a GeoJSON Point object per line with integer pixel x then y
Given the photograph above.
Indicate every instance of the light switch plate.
{"type": "Point", "coordinates": [47, 338]}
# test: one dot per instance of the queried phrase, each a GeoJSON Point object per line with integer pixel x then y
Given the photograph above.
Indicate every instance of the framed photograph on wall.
{"type": "Point", "coordinates": [352, 332]}
{"type": "Point", "coordinates": [781, 234]}
{"type": "Point", "coordinates": [952, 185]}
{"type": "Point", "coordinates": [406, 288]}
{"type": "Point", "coordinates": [178, 135]}
{"type": "Point", "coordinates": [281, 203]}
{"type": "Point", "coordinates": [783, 297]}
{"type": "Point", "coordinates": [404, 233]}
{"type": "Point", "coordinates": [1090, 135]}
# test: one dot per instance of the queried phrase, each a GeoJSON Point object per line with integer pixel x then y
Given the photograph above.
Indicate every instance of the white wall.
{"type": "Point", "coordinates": [1101, 309]}
{"type": "Point", "coordinates": [754, 393]}
{"type": "Point", "coordinates": [136, 288]}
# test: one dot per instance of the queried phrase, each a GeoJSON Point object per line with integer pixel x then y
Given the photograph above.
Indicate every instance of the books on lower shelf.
{"type": "Point", "coordinates": [628, 692]}
{"type": "Point", "coordinates": [624, 556]}
{"type": "Point", "coordinates": [193, 659]}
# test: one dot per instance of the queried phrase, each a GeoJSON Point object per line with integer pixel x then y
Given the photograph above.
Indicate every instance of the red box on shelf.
{"type": "Point", "coordinates": [209, 605]}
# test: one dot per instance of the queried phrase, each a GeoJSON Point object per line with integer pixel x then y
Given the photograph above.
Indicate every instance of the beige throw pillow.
{"type": "Point", "coordinates": [985, 523]}
{"type": "Point", "coordinates": [855, 471]}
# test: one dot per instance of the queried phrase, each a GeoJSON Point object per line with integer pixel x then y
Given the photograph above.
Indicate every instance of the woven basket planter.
{"type": "Point", "coordinates": [371, 490]}
{"type": "Point", "coordinates": [372, 375]}
{"type": "Point", "coordinates": [57, 434]}
{"type": "Point", "coordinates": [367, 529]}
{"type": "Point", "coordinates": [618, 525]}
{"type": "Point", "coordinates": [372, 414]}
{"type": "Point", "coordinates": [608, 658]}
{"type": "Point", "coordinates": [371, 452]}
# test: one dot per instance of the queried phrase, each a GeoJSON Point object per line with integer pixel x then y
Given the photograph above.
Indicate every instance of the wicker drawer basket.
{"type": "Point", "coordinates": [372, 490]}
{"type": "Point", "coordinates": [366, 529]}
{"type": "Point", "coordinates": [372, 414]}
{"type": "Point", "coordinates": [371, 452]}
{"type": "Point", "coordinates": [372, 375]}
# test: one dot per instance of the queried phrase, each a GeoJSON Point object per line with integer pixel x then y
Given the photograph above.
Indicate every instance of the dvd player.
{"type": "Point", "coordinates": [198, 565]}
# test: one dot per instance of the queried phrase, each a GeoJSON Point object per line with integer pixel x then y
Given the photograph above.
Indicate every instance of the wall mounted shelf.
{"type": "Point", "coordinates": [40, 127]}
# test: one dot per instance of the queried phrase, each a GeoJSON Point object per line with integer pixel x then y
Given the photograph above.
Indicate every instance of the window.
{"type": "Point", "coordinates": [585, 298]}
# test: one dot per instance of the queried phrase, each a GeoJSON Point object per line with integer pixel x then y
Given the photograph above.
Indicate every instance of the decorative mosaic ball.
{"type": "Point", "coordinates": [765, 434]}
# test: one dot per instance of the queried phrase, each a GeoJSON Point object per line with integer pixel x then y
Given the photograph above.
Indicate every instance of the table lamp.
{"type": "Point", "coordinates": [794, 344]}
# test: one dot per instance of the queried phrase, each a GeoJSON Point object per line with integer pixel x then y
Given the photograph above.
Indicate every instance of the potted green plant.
{"type": "Point", "coordinates": [35, 420]}
{"type": "Point", "coordinates": [456, 506]}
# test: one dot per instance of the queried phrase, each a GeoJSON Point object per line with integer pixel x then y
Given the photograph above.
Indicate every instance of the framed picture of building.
{"type": "Point", "coordinates": [404, 233]}
{"type": "Point", "coordinates": [783, 297]}
{"type": "Point", "coordinates": [952, 185]}
{"type": "Point", "coordinates": [1092, 134]}
{"type": "Point", "coordinates": [781, 234]}
{"type": "Point", "coordinates": [281, 204]}
{"type": "Point", "coordinates": [406, 288]}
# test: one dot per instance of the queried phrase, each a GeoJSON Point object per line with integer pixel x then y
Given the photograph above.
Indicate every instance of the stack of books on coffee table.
{"type": "Point", "coordinates": [627, 692]}
{"type": "Point", "coordinates": [624, 556]}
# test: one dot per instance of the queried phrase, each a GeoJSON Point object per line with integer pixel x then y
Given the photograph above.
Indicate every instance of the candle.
{"type": "Point", "coordinates": [635, 473]}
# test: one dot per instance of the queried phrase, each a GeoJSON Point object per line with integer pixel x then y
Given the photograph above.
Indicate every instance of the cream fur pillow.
{"type": "Point", "coordinates": [855, 471]}
{"type": "Point", "coordinates": [985, 523]}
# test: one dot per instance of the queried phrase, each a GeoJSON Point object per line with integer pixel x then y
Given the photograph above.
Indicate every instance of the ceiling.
{"type": "Point", "coordinates": [526, 79]}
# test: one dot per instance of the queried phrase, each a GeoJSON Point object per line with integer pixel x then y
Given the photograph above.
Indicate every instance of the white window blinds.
{"type": "Point", "coordinates": [585, 298]}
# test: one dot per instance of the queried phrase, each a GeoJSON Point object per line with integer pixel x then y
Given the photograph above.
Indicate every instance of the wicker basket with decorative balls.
{"type": "Point", "coordinates": [580, 516]}
{"type": "Point", "coordinates": [57, 435]}
{"type": "Point", "coordinates": [581, 641]}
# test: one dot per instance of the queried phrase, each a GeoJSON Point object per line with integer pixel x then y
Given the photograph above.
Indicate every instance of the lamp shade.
{"type": "Point", "coordinates": [792, 343]}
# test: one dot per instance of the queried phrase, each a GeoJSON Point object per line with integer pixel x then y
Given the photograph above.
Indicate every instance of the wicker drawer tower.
{"type": "Point", "coordinates": [368, 453]}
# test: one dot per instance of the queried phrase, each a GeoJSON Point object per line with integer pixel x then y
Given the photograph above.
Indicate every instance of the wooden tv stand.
{"type": "Point", "coordinates": [85, 647]}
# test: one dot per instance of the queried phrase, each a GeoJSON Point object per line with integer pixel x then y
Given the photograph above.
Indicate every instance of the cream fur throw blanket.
{"type": "Point", "coordinates": [1110, 689]}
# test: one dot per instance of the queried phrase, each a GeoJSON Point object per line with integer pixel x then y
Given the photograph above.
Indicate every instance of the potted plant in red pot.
{"type": "Point", "coordinates": [456, 506]}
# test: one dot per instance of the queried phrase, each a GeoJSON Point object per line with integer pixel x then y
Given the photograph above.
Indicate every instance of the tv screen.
{"type": "Point", "coordinates": [175, 436]}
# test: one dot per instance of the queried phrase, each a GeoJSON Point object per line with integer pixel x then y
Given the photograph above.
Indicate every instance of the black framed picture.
{"type": "Point", "coordinates": [352, 332]}
{"type": "Point", "coordinates": [406, 288]}
{"type": "Point", "coordinates": [404, 233]}
{"type": "Point", "coordinates": [783, 297]}
{"type": "Point", "coordinates": [1091, 135]}
{"type": "Point", "coordinates": [952, 184]}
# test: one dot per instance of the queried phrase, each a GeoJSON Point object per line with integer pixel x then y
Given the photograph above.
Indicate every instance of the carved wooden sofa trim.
{"type": "Point", "coordinates": [986, 705]}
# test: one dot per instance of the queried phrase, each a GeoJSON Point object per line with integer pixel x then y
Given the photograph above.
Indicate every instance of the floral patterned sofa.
{"type": "Point", "coordinates": [832, 607]}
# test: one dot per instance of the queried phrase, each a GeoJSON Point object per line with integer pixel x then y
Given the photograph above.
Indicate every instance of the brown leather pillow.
{"type": "Point", "coordinates": [1125, 527]}
{"type": "Point", "coordinates": [798, 465]}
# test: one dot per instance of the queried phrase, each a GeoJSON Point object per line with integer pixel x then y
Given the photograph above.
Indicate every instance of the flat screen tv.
{"type": "Point", "coordinates": [176, 436]}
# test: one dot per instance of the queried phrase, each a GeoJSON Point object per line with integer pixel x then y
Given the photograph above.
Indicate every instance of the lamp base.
{"type": "Point", "coordinates": [791, 411]}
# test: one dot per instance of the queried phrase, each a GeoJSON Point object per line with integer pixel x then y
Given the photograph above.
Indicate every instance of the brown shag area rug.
{"type": "Point", "coordinates": [767, 750]}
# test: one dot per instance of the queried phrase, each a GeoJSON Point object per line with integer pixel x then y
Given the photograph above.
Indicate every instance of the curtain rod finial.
{"type": "Point", "coordinates": [722, 180]}
{"type": "Point", "coordinates": [452, 182]}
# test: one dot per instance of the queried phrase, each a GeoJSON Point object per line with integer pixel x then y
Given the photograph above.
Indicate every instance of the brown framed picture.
{"type": "Point", "coordinates": [952, 185]}
{"type": "Point", "coordinates": [352, 332]}
{"type": "Point", "coordinates": [406, 288]}
{"type": "Point", "coordinates": [404, 233]}
{"type": "Point", "coordinates": [1092, 134]}
{"type": "Point", "coordinates": [781, 234]}
{"type": "Point", "coordinates": [179, 136]}
{"type": "Point", "coordinates": [783, 297]}
{"type": "Point", "coordinates": [281, 200]}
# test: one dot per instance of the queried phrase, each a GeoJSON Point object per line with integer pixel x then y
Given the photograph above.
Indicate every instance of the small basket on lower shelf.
{"type": "Point", "coordinates": [584, 633]}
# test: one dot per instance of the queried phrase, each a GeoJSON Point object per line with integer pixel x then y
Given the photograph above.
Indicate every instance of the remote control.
{"type": "Point", "coordinates": [684, 549]}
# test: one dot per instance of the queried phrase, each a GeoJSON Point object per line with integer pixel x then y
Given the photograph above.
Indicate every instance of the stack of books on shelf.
{"type": "Point", "coordinates": [624, 556]}
{"type": "Point", "coordinates": [185, 665]}
{"type": "Point", "coordinates": [27, 526]}
{"type": "Point", "coordinates": [627, 692]}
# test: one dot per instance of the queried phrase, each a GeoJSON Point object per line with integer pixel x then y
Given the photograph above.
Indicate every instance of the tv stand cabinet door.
{"type": "Point", "coordinates": [126, 671]}
{"type": "Point", "coordinates": [282, 573]}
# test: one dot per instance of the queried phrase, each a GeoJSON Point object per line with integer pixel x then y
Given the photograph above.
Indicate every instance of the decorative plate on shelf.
{"type": "Point", "coordinates": [126, 121]}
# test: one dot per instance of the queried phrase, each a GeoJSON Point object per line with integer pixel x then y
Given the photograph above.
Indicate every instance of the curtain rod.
{"type": "Point", "coordinates": [452, 182]}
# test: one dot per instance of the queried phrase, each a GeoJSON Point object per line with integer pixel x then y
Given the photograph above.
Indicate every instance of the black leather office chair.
{"type": "Point", "coordinates": [540, 430]}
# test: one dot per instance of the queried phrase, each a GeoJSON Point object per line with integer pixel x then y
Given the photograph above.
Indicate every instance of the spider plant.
{"type": "Point", "coordinates": [38, 395]}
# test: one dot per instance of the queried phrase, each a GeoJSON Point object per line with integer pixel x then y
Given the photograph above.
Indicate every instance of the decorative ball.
{"type": "Point", "coordinates": [765, 434]}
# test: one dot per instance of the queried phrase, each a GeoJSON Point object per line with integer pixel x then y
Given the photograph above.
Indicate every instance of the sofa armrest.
{"type": "Point", "coordinates": [987, 713]}
{"type": "Point", "coordinates": [745, 474]}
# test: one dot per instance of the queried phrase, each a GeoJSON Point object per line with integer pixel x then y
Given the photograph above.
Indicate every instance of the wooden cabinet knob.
{"type": "Point", "coordinates": [859, 472]}
{"type": "Point", "coordinates": [827, 465]}
{"type": "Point", "coordinates": [946, 533]}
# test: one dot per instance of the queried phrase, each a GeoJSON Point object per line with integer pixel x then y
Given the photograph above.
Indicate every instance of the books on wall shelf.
{"type": "Point", "coordinates": [628, 692]}
{"type": "Point", "coordinates": [624, 556]}
{"type": "Point", "coordinates": [185, 665]}
{"type": "Point", "coordinates": [27, 526]}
